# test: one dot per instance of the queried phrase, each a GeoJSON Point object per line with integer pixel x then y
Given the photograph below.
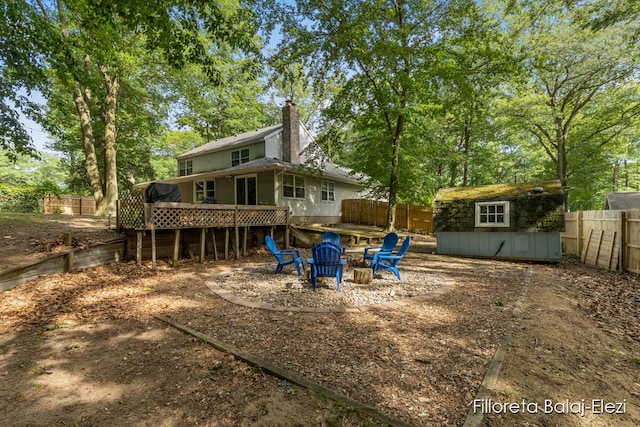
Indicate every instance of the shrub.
{"type": "Point", "coordinates": [21, 199]}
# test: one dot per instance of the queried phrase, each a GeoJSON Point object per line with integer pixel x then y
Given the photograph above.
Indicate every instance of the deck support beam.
{"type": "Point", "coordinates": [153, 248]}
{"type": "Point", "coordinates": [176, 247]}
{"type": "Point", "coordinates": [203, 239]}
{"type": "Point", "coordinates": [226, 244]}
{"type": "Point", "coordinates": [138, 247]}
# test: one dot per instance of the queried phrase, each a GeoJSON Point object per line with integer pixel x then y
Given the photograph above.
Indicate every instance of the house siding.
{"type": "Point", "coordinates": [186, 191]}
{"type": "Point", "coordinates": [225, 191]}
{"type": "Point", "coordinates": [222, 159]}
{"type": "Point", "coordinates": [266, 188]}
{"type": "Point", "coordinates": [312, 209]}
{"type": "Point", "coordinates": [274, 146]}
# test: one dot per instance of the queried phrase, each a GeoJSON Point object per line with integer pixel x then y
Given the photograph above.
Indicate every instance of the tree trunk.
{"type": "Point", "coordinates": [616, 175]}
{"type": "Point", "coordinates": [466, 146]}
{"type": "Point", "coordinates": [112, 85]}
{"type": "Point", "coordinates": [91, 161]}
{"type": "Point", "coordinates": [393, 175]}
{"type": "Point", "coordinates": [561, 167]}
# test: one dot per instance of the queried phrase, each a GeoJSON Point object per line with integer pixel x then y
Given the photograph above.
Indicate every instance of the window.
{"type": "Point", "coordinates": [293, 186]}
{"type": "Point", "coordinates": [328, 189]}
{"type": "Point", "coordinates": [492, 214]}
{"type": "Point", "coordinates": [205, 190]}
{"type": "Point", "coordinates": [239, 157]}
{"type": "Point", "coordinates": [185, 167]}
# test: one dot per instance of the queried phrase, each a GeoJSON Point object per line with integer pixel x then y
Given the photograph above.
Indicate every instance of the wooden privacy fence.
{"type": "Point", "coordinates": [373, 212]}
{"type": "Point", "coordinates": [608, 239]}
{"type": "Point", "coordinates": [69, 204]}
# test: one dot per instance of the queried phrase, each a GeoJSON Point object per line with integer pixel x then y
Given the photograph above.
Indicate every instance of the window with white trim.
{"type": "Point", "coordinates": [205, 190]}
{"type": "Point", "coordinates": [185, 167]}
{"type": "Point", "coordinates": [492, 214]}
{"type": "Point", "coordinates": [293, 186]}
{"type": "Point", "coordinates": [239, 157]}
{"type": "Point", "coordinates": [328, 190]}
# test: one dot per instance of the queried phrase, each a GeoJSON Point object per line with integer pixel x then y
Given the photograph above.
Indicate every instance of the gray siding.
{"type": "Point", "coordinates": [546, 246]}
{"type": "Point", "coordinates": [222, 159]}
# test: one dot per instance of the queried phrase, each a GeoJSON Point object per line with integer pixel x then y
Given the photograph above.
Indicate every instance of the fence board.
{"type": "Point", "coordinates": [373, 212]}
{"type": "Point", "coordinates": [69, 204]}
{"type": "Point", "coordinates": [632, 241]}
{"type": "Point", "coordinates": [621, 238]}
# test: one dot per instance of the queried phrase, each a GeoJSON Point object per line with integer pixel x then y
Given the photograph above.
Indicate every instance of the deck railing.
{"type": "Point", "coordinates": [135, 214]}
{"type": "Point", "coordinates": [186, 215]}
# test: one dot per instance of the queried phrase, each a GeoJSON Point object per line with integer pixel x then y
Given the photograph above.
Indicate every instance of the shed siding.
{"type": "Point", "coordinates": [544, 246]}
{"type": "Point", "coordinates": [527, 213]}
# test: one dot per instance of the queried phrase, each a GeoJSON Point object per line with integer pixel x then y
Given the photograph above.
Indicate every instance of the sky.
{"type": "Point", "coordinates": [40, 137]}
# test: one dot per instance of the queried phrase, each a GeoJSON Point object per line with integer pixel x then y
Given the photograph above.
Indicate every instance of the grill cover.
{"type": "Point", "coordinates": [156, 192]}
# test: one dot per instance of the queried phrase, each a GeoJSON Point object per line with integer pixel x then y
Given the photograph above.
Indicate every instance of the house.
{"type": "Point", "coordinates": [622, 201]}
{"type": "Point", "coordinates": [279, 165]}
{"type": "Point", "coordinates": [521, 221]}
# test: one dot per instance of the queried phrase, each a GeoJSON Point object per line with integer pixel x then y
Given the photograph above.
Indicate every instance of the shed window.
{"type": "Point", "coordinates": [185, 168]}
{"type": "Point", "coordinates": [328, 191]}
{"type": "Point", "coordinates": [492, 214]}
{"type": "Point", "coordinates": [239, 157]}
{"type": "Point", "coordinates": [293, 186]}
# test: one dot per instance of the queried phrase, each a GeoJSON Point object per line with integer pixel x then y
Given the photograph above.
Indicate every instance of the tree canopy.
{"type": "Point", "coordinates": [417, 95]}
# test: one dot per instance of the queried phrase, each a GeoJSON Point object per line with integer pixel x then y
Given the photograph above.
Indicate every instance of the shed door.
{"type": "Point", "coordinates": [246, 190]}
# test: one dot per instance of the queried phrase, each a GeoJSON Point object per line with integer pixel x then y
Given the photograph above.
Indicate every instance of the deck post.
{"type": "Point", "coordinates": [237, 235]}
{"type": "Point", "coordinates": [153, 247]}
{"type": "Point", "coordinates": [215, 247]}
{"type": "Point", "coordinates": [203, 239]}
{"type": "Point", "coordinates": [176, 247]}
{"type": "Point", "coordinates": [244, 241]}
{"type": "Point", "coordinates": [226, 243]}
{"type": "Point", "coordinates": [139, 247]}
{"type": "Point", "coordinates": [286, 232]}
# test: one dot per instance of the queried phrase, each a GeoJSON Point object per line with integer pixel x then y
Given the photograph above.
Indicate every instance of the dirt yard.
{"type": "Point", "coordinates": [86, 348]}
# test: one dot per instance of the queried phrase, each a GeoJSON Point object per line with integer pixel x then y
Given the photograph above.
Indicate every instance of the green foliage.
{"type": "Point", "coordinates": [46, 172]}
{"type": "Point", "coordinates": [18, 77]}
{"type": "Point", "coordinates": [216, 111]}
{"type": "Point", "coordinates": [21, 199]}
{"type": "Point", "coordinates": [167, 147]}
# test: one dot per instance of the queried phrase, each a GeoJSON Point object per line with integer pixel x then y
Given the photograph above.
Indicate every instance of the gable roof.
{"type": "Point", "coordinates": [622, 201]}
{"type": "Point", "coordinates": [497, 191]}
{"type": "Point", "coordinates": [232, 141]}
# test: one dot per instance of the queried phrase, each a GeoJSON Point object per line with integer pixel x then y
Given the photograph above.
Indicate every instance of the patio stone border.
{"type": "Point", "coordinates": [448, 286]}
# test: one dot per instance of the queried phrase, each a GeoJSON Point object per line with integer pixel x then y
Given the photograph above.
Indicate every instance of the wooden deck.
{"type": "Point", "coordinates": [134, 215]}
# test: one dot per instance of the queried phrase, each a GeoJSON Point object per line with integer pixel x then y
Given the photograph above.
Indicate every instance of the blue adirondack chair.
{"type": "Point", "coordinates": [388, 245]}
{"type": "Point", "coordinates": [389, 260]}
{"type": "Point", "coordinates": [284, 256]}
{"type": "Point", "coordinates": [326, 262]}
{"type": "Point", "coordinates": [333, 237]}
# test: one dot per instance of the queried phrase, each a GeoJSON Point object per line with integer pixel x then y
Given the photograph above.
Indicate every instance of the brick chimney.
{"type": "Point", "coordinates": [290, 133]}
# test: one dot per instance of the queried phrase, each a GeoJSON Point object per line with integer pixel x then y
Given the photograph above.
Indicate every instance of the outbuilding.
{"type": "Point", "coordinates": [516, 221]}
